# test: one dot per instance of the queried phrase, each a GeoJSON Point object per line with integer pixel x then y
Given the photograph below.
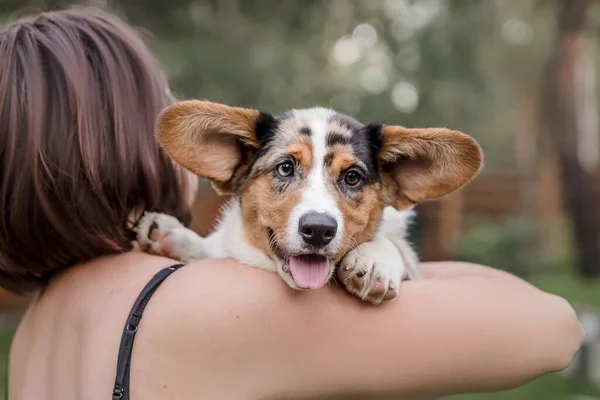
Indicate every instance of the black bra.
{"type": "Point", "coordinates": [121, 388]}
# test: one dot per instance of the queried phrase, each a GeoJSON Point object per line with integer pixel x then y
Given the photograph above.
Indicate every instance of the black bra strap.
{"type": "Point", "coordinates": [121, 389]}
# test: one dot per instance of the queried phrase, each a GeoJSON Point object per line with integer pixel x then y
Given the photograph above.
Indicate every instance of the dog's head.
{"type": "Point", "coordinates": [312, 183]}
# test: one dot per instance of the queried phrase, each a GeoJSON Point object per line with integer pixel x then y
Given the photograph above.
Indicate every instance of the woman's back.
{"type": "Point", "coordinates": [66, 346]}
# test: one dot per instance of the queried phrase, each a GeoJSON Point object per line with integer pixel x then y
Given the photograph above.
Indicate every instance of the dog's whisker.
{"type": "Point", "coordinates": [277, 235]}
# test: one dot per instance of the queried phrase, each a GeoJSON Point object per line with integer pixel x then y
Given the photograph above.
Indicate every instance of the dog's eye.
{"type": "Point", "coordinates": [352, 178]}
{"type": "Point", "coordinates": [285, 169]}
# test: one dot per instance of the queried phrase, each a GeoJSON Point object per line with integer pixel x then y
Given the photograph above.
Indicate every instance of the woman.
{"type": "Point", "coordinates": [79, 94]}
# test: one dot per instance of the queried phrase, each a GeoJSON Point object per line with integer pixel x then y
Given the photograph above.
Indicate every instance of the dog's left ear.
{"type": "Point", "coordinates": [214, 141]}
{"type": "Point", "coordinates": [424, 164]}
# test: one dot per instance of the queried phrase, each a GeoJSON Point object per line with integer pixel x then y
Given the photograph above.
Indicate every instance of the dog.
{"type": "Point", "coordinates": [313, 192]}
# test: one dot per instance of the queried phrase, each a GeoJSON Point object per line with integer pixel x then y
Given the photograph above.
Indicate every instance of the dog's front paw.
{"type": "Point", "coordinates": [164, 235]}
{"type": "Point", "coordinates": [152, 228]}
{"type": "Point", "coordinates": [373, 271]}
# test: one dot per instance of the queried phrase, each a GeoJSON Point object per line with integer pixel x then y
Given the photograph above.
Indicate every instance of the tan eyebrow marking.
{"type": "Point", "coordinates": [342, 160]}
{"type": "Point", "coordinates": [302, 152]}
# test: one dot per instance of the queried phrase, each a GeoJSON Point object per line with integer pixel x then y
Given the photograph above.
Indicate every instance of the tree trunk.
{"type": "Point", "coordinates": [562, 122]}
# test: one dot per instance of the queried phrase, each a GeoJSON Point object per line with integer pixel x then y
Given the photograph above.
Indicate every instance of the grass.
{"type": "Point", "coordinates": [549, 387]}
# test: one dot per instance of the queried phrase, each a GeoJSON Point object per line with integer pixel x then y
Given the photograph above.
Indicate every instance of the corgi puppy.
{"type": "Point", "coordinates": [313, 192]}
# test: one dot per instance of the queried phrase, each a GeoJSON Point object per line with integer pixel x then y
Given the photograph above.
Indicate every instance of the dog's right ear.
{"type": "Point", "coordinates": [212, 140]}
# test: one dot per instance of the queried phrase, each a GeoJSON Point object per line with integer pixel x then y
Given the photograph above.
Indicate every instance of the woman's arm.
{"type": "Point", "coordinates": [464, 328]}
{"type": "Point", "coordinates": [445, 270]}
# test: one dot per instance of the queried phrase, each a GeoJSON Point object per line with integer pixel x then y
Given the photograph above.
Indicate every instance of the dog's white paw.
{"type": "Point", "coordinates": [153, 227]}
{"type": "Point", "coordinates": [164, 235]}
{"type": "Point", "coordinates": [373, 271]}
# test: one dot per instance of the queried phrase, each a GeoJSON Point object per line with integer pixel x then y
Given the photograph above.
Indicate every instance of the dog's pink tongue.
{"type": "Point", "coordinates": [309, 271]}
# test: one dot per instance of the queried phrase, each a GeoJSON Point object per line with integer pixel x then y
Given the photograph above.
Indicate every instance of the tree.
{"type": "Point", "coordinates": [562, 123]}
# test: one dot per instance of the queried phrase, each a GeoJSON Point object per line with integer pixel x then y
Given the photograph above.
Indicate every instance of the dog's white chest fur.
{"type": "Point", "coordinates": [229, 240]}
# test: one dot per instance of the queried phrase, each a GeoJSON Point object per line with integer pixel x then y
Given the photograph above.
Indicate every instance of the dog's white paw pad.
{"type": "Point", "coordinates": [153, 233]}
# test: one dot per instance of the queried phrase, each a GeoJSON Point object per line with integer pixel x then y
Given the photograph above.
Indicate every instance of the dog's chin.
{"type": "Point", "coordinates": [286, 276]}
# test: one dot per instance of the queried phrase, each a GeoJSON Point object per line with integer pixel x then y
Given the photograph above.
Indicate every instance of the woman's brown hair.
{"type": "Point", "coordinates": [79, 98]}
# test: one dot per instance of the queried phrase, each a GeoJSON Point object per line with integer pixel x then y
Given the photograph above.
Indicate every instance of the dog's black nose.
{"type": "Point", "coordinates": [317, 229]}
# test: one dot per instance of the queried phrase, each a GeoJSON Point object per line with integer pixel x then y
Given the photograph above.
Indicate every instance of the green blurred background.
{"type": "Point", "coordinates": [519, 76]}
